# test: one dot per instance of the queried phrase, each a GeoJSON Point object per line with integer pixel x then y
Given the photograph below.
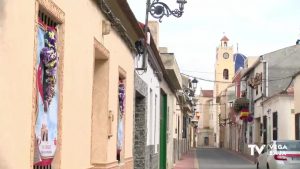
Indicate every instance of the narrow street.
{"type": "Point", "coordinates": [214, 158]}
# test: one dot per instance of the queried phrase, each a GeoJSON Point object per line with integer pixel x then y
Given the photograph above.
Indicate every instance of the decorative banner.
{"type": "Point", "coordinates": [255, 81]}
{"type": "Point", "coordinates": [244, 114]}
{"type": "Point", "coordinates": [47, 99]}
{"type": "Point", "coordinates": [121, 114]}
{"type": "Point", "coordinates": [122, 97]}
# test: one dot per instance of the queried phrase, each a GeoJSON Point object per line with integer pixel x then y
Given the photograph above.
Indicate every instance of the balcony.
{"type": "Point", "coordinates": [171, 68]}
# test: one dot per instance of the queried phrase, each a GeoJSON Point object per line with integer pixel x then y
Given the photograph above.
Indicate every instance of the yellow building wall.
{"type": "Point", "coordinates": [120, 58]}
{"type": "Point", "coordinates": [16, 80]}
{"type": "Point", "coordinates": [83, 23]}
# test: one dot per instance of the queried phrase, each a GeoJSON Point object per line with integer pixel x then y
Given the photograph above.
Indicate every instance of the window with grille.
{"type": "Point", "coordinates": [45, 20]}
{"type": "Point", "coordinates": [297, 123]}
{"type": "Point", "coordinates": [184, 126]}
{"type": "Point", "coordinates": [265, 139]}
{"type": "Point", "coordinates": [275, 126]}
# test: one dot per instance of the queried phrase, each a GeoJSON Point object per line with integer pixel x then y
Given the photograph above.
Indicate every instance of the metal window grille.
{"type": "Point", "coordinates": [275, 126]}
{"type": "Point", "coordinates": [265, 129]}
{"type": "Point", "coordinates": [42, 167]}
{"type": "Point", "coordinates": [46, 19]}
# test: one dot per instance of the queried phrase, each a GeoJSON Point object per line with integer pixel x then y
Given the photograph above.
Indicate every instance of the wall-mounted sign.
{"type": "Point", "coordinates": [255, 81]}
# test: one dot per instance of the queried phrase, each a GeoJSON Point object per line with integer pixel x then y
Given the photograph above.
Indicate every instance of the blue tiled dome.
{"type": "Point", "coordinates": [239, 59]}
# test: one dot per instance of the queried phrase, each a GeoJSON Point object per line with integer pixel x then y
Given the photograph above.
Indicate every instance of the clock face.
{"type": "Point", "coordinates": [225, 55]}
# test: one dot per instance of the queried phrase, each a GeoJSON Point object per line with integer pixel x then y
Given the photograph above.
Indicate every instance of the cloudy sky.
{"type": "Point", "coordinates": [257, 26]}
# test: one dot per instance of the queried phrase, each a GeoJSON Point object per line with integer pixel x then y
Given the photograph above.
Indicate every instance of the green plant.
{"type": "Point", "coordinates": [240, 103]}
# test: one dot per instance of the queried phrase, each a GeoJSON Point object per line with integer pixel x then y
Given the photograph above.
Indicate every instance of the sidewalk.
{"type": "Point", "coordinates": [188, 161]}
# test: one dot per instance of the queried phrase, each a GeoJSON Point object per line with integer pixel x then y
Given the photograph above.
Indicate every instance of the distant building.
{"type": "Point", "coordinates": [206, 125]}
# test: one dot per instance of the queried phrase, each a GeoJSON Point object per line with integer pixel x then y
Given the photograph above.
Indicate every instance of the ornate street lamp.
{"type": "Point", "coordinates": [159, 9]}
{"type": "Point", "coordinates": [194, 83]}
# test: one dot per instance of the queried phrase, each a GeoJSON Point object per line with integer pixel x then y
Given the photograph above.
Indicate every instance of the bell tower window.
{"type": "Point", "coordinates": [225, 74]}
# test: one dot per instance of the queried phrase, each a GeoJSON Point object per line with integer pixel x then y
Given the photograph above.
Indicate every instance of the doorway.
{"type": "Point", "coordinates": [206, 141]}
{"type": "Point", "coordinates": [163, 132]}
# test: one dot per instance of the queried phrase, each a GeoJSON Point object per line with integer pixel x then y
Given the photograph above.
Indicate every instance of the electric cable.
{"type": "Point", "coordinates": [217, 81]}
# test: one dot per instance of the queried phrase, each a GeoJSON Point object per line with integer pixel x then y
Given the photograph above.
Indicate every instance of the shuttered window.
{"type": "Point", "coordinates": [275, 126]}
{"type": "Point", "coordinates": [297, 123]}
{"type": "Point", "coordinates": [265, 130]}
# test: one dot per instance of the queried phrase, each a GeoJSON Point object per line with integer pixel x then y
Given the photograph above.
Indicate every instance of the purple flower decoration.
{"type": "Point", "coordinates": [50, 39]}
{"type": "Point", "coordinates": [122, 97]}
{"type": "Point", "coordinates": [49, 61]}
{"type": "Point", "coordinates": [250, 119]}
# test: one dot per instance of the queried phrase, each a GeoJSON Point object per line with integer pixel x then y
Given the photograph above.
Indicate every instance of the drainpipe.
{"type": "Point", "coordinates": [147, 36]}
{"type": "Point", "coordinates": [265, 94]}
{"type": "Point", "coordinates": [265, 77]}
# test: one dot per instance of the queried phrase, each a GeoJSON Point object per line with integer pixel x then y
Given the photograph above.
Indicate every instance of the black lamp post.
{"type": "Point", "coordinates": [194, 83]}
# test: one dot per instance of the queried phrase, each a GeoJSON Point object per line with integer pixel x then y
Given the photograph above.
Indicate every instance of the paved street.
{"type": "Point", "coordinates": [213, 158]}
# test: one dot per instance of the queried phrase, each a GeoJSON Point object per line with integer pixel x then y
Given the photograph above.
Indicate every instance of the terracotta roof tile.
{"type": "Point", "coordinates": [225, 39]}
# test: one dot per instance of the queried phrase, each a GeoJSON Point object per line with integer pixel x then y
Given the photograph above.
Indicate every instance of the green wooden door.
{"type": "Point", "coordinates": [163, 133]}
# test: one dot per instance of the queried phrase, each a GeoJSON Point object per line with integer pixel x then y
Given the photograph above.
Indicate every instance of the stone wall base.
{"type": "Point", "coordinates": [151, 157]}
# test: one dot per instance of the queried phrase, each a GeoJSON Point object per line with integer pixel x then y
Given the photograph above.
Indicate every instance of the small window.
{"type": "Point", "coordinates": [184, 126]}
{"type": "Point", "coordinates": [275, 126]}
{"type": "Point", "coordinates": [265, 134]}
{"type": "Point", "coordinates": [225, 74]}
{"type": "Point", "coordinates": [297, 125]}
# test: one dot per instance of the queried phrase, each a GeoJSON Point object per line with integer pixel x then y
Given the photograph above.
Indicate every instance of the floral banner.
{"type": "Point", "coordinates": [120, 119]}
{"type": "Point", "coordinates": [47, 99]}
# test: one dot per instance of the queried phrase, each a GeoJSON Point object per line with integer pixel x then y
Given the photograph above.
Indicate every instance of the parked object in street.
{"type": "Point", "coordinates": [283, 154]}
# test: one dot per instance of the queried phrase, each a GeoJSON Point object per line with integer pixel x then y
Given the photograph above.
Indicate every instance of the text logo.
{"type": "Point", "coordinates": [272, 149]}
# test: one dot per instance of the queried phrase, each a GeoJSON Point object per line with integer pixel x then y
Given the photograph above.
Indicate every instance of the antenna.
{"type": "Point", "coordinates": [298, 40]}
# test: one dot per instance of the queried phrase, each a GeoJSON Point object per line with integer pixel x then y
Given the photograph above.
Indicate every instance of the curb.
{"type": "Point", "coordinates": [196, 164]}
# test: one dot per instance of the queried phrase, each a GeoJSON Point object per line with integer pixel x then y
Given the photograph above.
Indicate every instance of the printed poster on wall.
{"type": "Point", "coordinates": [47, 97]}
{"type": "Point", "coordinates": [120, 136]}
